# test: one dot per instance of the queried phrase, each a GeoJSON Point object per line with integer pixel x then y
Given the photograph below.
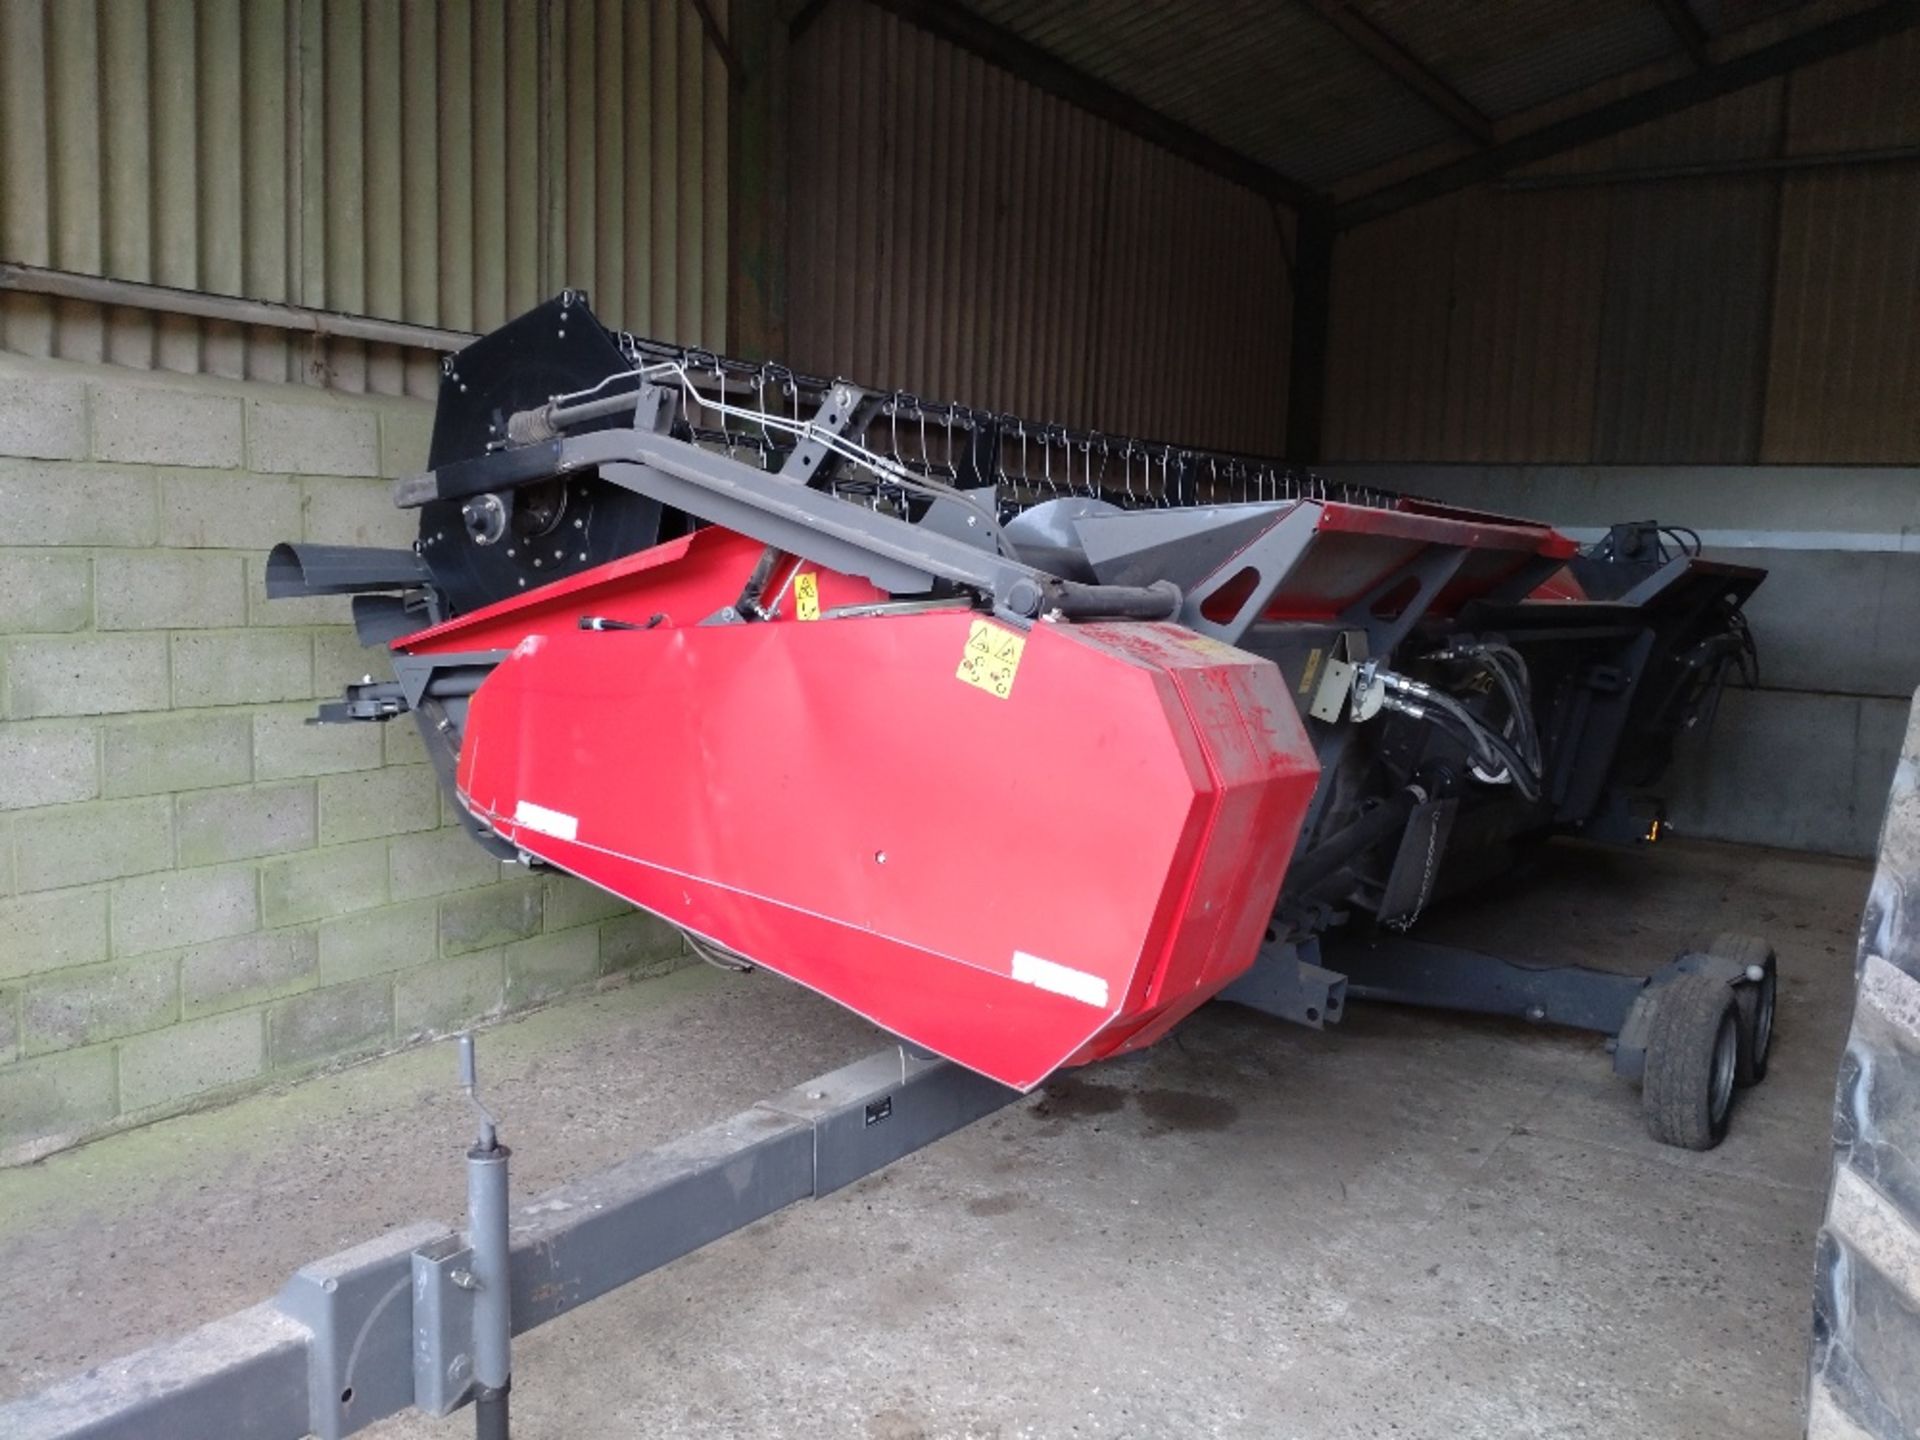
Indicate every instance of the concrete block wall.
{"type": "Point", "coordinates": [199, 891]}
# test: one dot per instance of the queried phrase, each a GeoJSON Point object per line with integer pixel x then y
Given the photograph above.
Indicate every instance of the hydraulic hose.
{"type": "Point", "coordinates": [1365, 830]}
{"type": "Point", "coordinates": [1495, 751]}
{"type": "Point", "coordinates": [1075, 600]}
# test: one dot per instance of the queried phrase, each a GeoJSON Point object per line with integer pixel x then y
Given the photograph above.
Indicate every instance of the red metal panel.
{"type": "Point", "coordinates": [1041, 855]}
{"type": "Point", "coordinates": [684, 581]}
{"type": "Point", "coordinates": [831, 800]}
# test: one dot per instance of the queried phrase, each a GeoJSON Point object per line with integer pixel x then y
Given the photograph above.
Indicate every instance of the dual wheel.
{"type": "Point", "coordinates": [1706, 1038]}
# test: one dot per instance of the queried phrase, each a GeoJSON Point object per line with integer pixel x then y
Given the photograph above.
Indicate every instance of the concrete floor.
{"type": "Point", "coordinates": [1411, 1225]}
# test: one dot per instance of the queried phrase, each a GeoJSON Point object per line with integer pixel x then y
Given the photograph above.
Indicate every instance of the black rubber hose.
{"type": "Point", "coordinates": [1158, 601]}
{"type": "Point", "coordinates": [456, 683]}
{"type": "Point", "coordinates": [1509, 670]}
{"type": "Point", "coordinates": [1367, 829]}
{"type": "Point", "coordinates": [1493, 750]}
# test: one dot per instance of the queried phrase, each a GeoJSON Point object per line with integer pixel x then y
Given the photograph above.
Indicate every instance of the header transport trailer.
{"type": "Point", "coordinates": [1020, 741]}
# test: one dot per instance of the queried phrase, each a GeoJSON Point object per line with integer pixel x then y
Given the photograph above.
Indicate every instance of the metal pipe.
{"type": "Point", "coordinates": [267, 314]}
{"type": "Point", "coordinates": [1158, 601]}
{"type": "Point", "coordinates": [1705, 169]}
{"type": "Point", "coordinates": [492, 1308]}
{"type": "Point", "coordinates": [543, 422]}
{"type": "Point", "coordinates": [452, 685]}
{"type": "Point", "coordinates": [487, 1237]}
{"type": "Point", "coordinates": [1369, 828]}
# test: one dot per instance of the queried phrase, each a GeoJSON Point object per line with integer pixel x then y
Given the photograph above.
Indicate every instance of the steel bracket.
{"type": "Point", "coordinates": [1287, 982]}
{"type": "Point", "coordinates": [442, 1326]}
{"type": "Point", "coordinates": [356, 1309]}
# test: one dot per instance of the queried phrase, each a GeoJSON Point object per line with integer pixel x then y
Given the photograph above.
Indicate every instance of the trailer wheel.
{"type": "Point", "coordinates": [1693, 1055]}
{"type": "Point", "coordinates": [1755, 999]}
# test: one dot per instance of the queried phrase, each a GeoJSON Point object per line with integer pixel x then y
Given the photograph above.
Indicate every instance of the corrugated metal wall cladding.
{"type": "Point", "coordinates": [1868, 98]}
{"type": "Point", "coordinates": [959, 234]}
{"type": "Point", "coordinates": [1843, 359]}
{"type": "Point", "coordinates": [1764, 317]}
{"type": "Point", "coordinates": [445, 163]}
{"type": "Point", "coordinates": [1684, 326]}
{"type": "Point", "coordinates": [1387, 360]}
{"type": "Point", "coordinates": [1527, 273]}
{"type": "Point", "coordinates": [1843, 378]}
{"type": "Point", "coordinates": [1468, 330]}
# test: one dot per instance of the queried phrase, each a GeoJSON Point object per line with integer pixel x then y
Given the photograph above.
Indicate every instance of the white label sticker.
{"type": "Point", "coordinates": [547, 822]}
{"type": "Point", "coordinates": [1064, 980]}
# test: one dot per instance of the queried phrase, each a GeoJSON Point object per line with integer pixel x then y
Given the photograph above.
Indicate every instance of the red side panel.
{"type": "Point", "coordinates": [1014, 881]}
{"type": "Point", "coordinates": [1018, 849]}
{"type": "Point", "coordinates": [682, 582]}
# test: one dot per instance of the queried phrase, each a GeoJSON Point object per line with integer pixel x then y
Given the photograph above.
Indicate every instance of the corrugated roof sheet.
{"type": "Point", "coordinates": [1763, 317]}
{"type": "Point", "coordinates": [1273, 81]}
{"type": "Point", "coordinates": [1277, 82]}
{"type": "Point", "coordinates": [1509, 58]}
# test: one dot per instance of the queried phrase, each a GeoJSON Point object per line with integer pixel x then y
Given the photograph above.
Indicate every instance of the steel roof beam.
{"type": "Point", "coordinates": [1688, 30]}
{"type": "Point", "coordinates": [1863, 27]}
{"type": "Point", "coordinates": [1403, 65]}
{"type": "Point", "coordinates": [1047, 72]}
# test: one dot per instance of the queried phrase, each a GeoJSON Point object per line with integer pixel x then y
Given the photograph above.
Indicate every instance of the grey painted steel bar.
{"type": "Point", "coordinates": [243, 1376]}
{"type": "Point", "coordinates": [1421, 972]}
{"type": "Point", "coordinates": [270, 314]}
{"type": "Point", "coordinates": [364, 1334]}
{"type": "Point", "coordinates": [896, 556]}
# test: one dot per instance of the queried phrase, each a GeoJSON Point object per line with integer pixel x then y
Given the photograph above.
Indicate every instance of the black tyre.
{"type": "Point", "coordinates": [1756, 1000]}
{"type": "Point", "coordinates": [1693, 1055]}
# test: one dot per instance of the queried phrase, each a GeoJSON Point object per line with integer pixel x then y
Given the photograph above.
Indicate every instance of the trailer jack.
{"type": "Point", "coordinates": [422, 1317]}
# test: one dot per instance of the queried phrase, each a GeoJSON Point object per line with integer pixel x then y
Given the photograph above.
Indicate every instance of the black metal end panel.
{"type": "Point", "coordinates": [1416, 864]}
{"type": "Point", "coordinates": [557, 527]}
{"type": "Point", "coordinates": [554, 349]}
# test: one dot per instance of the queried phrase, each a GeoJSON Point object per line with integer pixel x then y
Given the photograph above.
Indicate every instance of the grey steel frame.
{"type": "Point", "coordinates": [779, 510]}
{"type": "Point", "coordinates": [366, 1333]}
{"type": "Point", "coordinates": [1408, 971]}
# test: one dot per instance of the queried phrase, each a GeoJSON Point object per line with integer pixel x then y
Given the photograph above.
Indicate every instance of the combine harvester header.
{"type": "Point", "coordinates": [1021, 742]}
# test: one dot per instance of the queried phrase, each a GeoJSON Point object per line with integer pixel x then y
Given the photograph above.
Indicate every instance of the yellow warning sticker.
{"type": "Point", "coordinates": [992, 658]}
{"type": "Point", "coordinates": [1218, 649]}
{"type": "Point", "coordinates": [806, 596]}
{"type": "Point", "coordinates": [1311, 670]}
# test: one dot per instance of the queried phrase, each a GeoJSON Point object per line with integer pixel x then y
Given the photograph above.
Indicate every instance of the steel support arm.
{"type": "Point", "coordinates": [899, 557]}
